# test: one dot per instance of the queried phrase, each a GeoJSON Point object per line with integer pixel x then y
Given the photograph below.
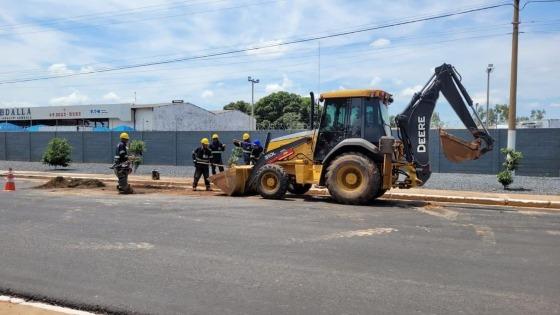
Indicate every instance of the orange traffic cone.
{"type": "Point", "coordinates": [10, 184]}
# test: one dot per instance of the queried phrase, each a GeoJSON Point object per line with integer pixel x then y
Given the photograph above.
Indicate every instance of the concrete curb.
{"type": "Point", "coordinates": [491, 201]}
{"type": "Point", "coordinates": [517, 202]}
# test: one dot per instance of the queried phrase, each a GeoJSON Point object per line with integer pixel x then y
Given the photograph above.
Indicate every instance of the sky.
{"type": "Point", "coordinates": [45, 38]}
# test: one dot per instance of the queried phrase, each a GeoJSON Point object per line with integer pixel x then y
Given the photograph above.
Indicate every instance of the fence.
{"type": "Point", "coordinates": [540, 147]}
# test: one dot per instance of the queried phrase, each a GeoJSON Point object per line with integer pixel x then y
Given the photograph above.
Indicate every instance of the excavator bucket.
{"type": "Point", "coordinates": [458, 150]}
{"type": "Point", "coordinates": [232, 181]}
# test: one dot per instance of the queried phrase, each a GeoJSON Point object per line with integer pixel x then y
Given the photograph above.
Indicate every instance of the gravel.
{"type": "Point", "coordinates": [488, 183]}
{"type": "Point", "coordinates": [447, 181]}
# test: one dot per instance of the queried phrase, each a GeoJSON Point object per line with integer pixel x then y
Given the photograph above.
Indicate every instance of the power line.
{"type": "Point", "coordinates": [106, 14]}
{"type": "Point", "coordinates": [235, 51]}
{"type": "Point", "coordinates": [537, 1]}
{"type": "Point", "coordinates": [151, 18]}
{"type": "Point", "coordinates": [332, 64]}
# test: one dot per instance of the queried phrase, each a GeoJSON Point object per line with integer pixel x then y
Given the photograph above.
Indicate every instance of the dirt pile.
{"type": "Point", "coordinates": [61, 182]}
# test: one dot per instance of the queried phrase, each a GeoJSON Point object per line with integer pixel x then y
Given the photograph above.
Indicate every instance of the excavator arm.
{"type": "Point", "coordinates": [414, 123]}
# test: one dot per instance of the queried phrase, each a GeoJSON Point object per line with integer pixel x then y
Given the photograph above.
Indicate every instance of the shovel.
{"type": "Point", "coordinates": [458, 150]}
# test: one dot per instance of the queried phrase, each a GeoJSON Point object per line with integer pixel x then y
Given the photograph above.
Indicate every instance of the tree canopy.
{"type": "Point", "coordinates": [280, 110]}
{"type": "Point", "coordinates": [239, 105]}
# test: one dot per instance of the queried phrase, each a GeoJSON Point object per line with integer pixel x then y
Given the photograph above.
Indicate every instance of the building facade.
{"type": "Point", "coordinates": [177, 116]}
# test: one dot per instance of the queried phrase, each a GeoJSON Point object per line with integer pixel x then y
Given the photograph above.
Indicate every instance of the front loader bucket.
{"type": "Point", "coordinates": [458, 150]}
{"type": "Point", "coordinates": [232, 181]}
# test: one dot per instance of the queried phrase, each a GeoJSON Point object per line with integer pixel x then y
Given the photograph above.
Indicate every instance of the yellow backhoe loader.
{"type": "Point", "coordinates": [353, 153]}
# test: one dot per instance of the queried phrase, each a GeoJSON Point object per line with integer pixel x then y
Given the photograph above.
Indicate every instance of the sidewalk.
{"type": "Point", "coordinates": [419, 194]}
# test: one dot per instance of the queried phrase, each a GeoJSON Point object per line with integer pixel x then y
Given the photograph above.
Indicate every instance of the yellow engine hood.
{"type": "Point", "coordinates": [280, 141]}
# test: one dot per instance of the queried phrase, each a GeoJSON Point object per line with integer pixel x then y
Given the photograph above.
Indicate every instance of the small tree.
{"type": "Point", "coordinates": [137, 148]}
{"type": "Point", "coordinates": [236, 153]}
{"type": "Point", "coordinates": [505, 177]}
{"type": "Point", "coordinates": [58, 153]}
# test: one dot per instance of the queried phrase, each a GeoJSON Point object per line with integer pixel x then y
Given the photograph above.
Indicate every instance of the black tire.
{"type": "Point", "coordinates": [272, 181]}
{"type": "Point", "coordinates": [353, 178]}
{"type": "Point", "coordinates": [298, 189]}
{"type": "Point", "coordinates": [380, 193]}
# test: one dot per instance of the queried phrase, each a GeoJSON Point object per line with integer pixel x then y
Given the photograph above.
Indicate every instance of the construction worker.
{"type": "Point", "coordinates": [256, 151]}
{"type": "Point", "coordinates": [122, 165]}
{"type": "Point", "coordinates": [217, 149]}
{"type": "Point", "coordinates": [247, 147]}
{"type": "Point", "coordinates": [201, 159]}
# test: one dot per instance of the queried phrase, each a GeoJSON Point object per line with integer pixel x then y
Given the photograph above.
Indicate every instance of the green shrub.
{"type": "Point", "coordinates": [58, 153]}
{"type": "Point", "coordinates": [511, 163]}
{"type": "Point", "coordinates": [137, 149]}
{"type": "Point", "coordinates": [236, 153]}
{"type": "Point", "coordinates": [512, 159]}
{"type": "Point", "coordinates": [505, 178]}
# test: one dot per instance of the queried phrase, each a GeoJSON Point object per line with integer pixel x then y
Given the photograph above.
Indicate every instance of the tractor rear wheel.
{"type": "Point", "coordinates": [353, 178]}
{"type": "Point", "coordinates": [272, 181]}
{"type": "Point", "coordinates": [298, 189]}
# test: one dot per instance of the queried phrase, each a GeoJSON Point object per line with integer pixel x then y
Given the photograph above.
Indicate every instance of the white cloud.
{"type": "Point", "coordinates": [342, 87]}
{"type": "Point", "coordinates": [111, 97]}
{"type": "Point", "coordinates": [554, 105]}
{"type": "Point", "coordinates": [75, 98]}
{"type": "Point", "coordinates": [60, 69]}
{"type": "Point", "coordinates": [86, 69]}
{"type": "Point", "coordinates": [207, 94]}
{"type": "Point", "coordinates": [380, 43]}
{"type": "Point", "coordinates": [409, 91]}
{"type": "Point", "coordinates": [275, 87]}
{"type": "Point", "coordinates": [375, 81]}
{"type": "Point", "coordinates": [495, 98]}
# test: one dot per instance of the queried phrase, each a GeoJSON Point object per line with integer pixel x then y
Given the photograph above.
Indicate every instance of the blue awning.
{"type": "Point", "coordinates": [10, 127]}
{"type": "Point", "coordinates": [123, 128]}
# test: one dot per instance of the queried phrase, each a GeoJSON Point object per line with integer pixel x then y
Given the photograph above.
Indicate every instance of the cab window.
{"type": "Point", "coordinates": [374, 120]}
{"type": "Point", "coordinates": [335, 115]}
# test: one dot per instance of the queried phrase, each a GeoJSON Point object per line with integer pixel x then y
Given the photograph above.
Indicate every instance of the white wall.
{"type": "Point", "coordinates": [233, 120]}
{"type": "Point", "coordinates": [144, 119]}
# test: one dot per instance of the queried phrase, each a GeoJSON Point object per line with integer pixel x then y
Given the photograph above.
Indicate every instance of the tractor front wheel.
{"type": "Point", "coordinates": [353, 178]}
{"type": "Point", "coordinates": [272, 181]}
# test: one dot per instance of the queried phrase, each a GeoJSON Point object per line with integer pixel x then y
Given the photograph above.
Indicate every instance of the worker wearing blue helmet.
{"type": "Point", "coordinates": [256, 151]}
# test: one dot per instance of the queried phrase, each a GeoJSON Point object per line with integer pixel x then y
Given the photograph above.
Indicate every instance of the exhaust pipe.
{"type": "Point", "coordinates": [312, 112]}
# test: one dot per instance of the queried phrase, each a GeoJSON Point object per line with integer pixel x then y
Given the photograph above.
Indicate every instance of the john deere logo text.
{"type": "Point", "coordinates": [421, 148]}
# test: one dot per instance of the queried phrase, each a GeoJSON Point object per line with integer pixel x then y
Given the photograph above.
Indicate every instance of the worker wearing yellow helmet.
{"type": "Point", "coordinates": [247, 147]}
{"type": "Point", "coordinates": [122, 165]}
{"type": "Point", "coordinates": [201, 160]}
{"type": "Point", "coordinates": [217, 148]}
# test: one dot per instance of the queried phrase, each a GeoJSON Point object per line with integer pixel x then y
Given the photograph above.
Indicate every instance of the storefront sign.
{"type": "Point", "coordinates": [20, 113]}
{"type": "Point", "coordinates": [122, 112]}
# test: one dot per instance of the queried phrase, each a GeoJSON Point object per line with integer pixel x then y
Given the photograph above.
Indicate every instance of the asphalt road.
{"type": "Point", "coordinates": [172, 254]}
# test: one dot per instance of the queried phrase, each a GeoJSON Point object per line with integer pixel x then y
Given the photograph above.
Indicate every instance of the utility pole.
{"type": "Point", "coordinates": [253, 82]}
{"type": "Point", "coordinates": [488, 70]}
{"type": "Point", "coordinates": [513, 79]}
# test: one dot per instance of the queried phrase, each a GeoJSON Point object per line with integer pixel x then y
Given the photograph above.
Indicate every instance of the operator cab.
{"type": "Point", "coordinates": [352, 114]}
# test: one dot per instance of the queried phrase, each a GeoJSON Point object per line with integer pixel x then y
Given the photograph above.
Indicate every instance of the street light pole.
{"type": "Point", "coordinates": [253, 82]}
{"type": "Point", "coordinates": [488, 70]}
{"type": "Point", "coordinates": [513, 79]}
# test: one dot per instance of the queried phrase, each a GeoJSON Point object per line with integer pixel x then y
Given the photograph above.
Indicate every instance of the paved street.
{"type": "Point", "coordinates": [175, 254]}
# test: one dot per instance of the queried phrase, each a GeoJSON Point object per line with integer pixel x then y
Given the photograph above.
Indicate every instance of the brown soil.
{"type": "Point", "coordinates": [61, 182]}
